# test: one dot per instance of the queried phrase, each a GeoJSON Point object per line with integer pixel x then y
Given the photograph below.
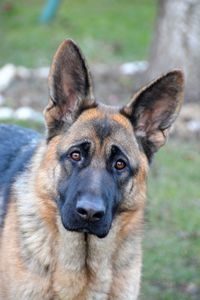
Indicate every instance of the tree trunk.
{"type": "Point", "coordinates": [176, 43]}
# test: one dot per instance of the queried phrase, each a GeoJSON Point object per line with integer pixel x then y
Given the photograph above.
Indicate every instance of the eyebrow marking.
{"type": "Point", "coordinates": [121, 120]}
{"type": "Point", "coordinates": [103, 128]}
{"type": "Point", "coordinates": [91, 114]}
{"type": "Point", "coordinates": [95, 113]}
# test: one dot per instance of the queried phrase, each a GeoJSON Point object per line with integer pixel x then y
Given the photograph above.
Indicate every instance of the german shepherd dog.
{"type": "Point", "coordinates": [72, 204]}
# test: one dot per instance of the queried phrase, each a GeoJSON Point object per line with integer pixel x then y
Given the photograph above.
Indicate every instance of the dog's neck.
{"type": "Point", "coordinates": [86, 258]}
{"type": "Point", "coordinates": [79, 250]}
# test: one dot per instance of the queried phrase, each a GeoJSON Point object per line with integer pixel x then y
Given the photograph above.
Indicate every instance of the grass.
{"type": "Point", "coordinates": [36, 125]}
{"type": "Point", "coordinates": [172, 240]}
{"type": "Point", "coordinates": [107, 30]}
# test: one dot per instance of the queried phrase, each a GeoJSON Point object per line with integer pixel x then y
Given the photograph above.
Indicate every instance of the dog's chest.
{"type": "Point", "coordinates": [77, 286]}
{"type": "Point", "coordinates": [83, 271]}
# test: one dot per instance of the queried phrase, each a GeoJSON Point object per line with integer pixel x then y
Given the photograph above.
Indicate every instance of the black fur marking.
{"type": "Point", "coordinates": [118, 153]}
{"type": "Point", "coordinates": [17, 146]}
{"type": "Point", "coordinates": [147, 147]}
{"type": "Point", "coordinates": [103, 129]}
{"type": "Point", "coordinates": [84, 148]}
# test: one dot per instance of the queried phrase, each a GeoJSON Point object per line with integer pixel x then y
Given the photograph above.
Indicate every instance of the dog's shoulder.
{"type": "Point", "coordinates": [17, 146]}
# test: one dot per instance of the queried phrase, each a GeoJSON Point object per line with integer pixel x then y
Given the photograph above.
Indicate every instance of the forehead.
{"type": "Point", "coordinates": [102, 126]}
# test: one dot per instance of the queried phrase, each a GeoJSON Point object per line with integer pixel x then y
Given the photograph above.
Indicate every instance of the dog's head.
{"type": "Point", "coordinates": [100, 153]}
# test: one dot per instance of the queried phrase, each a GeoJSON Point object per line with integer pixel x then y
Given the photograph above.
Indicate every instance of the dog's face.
{"type": "Point", "coordinates": [98, 167]}
{"type": "Point", "coordinates": [101, 152]}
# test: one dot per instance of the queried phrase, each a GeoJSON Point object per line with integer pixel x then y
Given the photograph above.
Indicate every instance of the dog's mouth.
{"type": "Point", "coordinates": [98, 232]}
{"type": "Point", "coordinates": [91, 232]}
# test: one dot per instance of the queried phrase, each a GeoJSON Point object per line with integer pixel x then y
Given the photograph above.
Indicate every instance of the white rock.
{"type": "Point", "coordinates": [130, 68]}
{"type": "Point", "coordinates": [2, 99]}
{"type": "Point", "coordinates": [27, 113]}
{"type": "Point", "coordinates": [7, 74]}
{"type": "Point", "coordinates": [193, 125]}
{"type": "Point", "coordinates": [42, 72]}
{"type": "Point", "coordinates": [23, 72]}
{"type": "Point", "coordinates": [6, 113]}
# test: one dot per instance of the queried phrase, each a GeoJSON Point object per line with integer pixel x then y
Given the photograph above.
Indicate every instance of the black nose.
{"type": "Point", "coordinates": [90, 208]}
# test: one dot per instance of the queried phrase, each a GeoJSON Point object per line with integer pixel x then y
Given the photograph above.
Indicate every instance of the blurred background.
{"type": "Point", "coordinates": [127, 44]}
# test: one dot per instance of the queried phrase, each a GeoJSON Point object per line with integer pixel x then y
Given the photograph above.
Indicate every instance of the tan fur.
{"type": "Point", "coordinates": [91, 114]}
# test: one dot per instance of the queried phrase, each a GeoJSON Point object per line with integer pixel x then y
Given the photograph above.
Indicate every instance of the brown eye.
{"type": "Point", "coordinates": [76, 155]}
{"type": "Point", "coordinates": [120, 164]}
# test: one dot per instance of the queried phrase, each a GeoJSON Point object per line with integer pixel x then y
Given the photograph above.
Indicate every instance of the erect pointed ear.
{"type": "Point", "coordinates": [153, 110]}
{"type": "Point", "coordinates": [70, 89]}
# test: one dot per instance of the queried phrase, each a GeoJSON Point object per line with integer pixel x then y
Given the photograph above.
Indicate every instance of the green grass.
{"type": "Point", "coordinates": [107, 30]}
{"type": "Point", "coordinates": [172, 238]}
{"type": "Point", "coordinates": [36, 125]}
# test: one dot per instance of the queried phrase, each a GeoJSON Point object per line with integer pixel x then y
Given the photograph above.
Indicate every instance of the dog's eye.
{"type": "Point", "coordinates": [120, 164]}
{"type": "Point", "coordinates": [75, 155]}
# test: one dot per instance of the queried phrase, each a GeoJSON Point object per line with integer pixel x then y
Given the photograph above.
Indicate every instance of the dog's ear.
{"type": "Point", "coordinates": [70, 89]}
{"type": "Point", "coordinates": [153, 110]}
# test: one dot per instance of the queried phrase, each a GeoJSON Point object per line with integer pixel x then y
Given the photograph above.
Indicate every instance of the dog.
{"type": "Point", "coordinates": [72, 203]}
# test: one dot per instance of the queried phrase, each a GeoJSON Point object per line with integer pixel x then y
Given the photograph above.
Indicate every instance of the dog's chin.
{"type": "Point", "coordinates": [98, 233]}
